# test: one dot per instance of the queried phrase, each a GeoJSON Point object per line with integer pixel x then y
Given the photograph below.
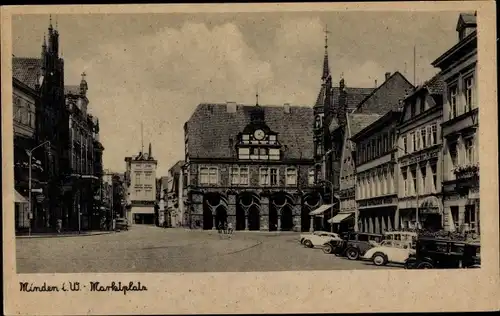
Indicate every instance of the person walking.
{"type": "Point", "coordinates": [230, 228]}
{"type": "Point", "coordinates": [59, 225]}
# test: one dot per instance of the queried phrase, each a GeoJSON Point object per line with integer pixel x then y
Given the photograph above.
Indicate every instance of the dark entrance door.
{"type": "Point", "coordinates": [253, 218]}
{"type": "Point", "coordinates": [273, 218]}
{"type": "Point", "coordinates": [305, 219]}
{"type": "Point", "coordinates": [220, 217]}
{"type": "Point", "coordinates": [208, 220]}
{"type": "Point", "coordinates": [240, 218]}
{"type": "Point", "coordinates": [432, 222]}
{"type": "Point", "coordinates": [286, 218]}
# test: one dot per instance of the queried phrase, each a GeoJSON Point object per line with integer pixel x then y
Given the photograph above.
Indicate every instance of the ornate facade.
{"type": "Point", "coordinates": [251, 166]}
{"type": "Point", "coordinates": [460, 121]}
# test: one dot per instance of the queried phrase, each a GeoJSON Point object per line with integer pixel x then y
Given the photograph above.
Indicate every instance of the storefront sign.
{"type": "Point", "coordinates": [418, 158]}
{"type": "Point", "coordinates": [377, 202]}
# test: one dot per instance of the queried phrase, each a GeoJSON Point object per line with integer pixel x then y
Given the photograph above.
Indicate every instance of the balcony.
{"type": "Point", "coordinates": [468, 171]}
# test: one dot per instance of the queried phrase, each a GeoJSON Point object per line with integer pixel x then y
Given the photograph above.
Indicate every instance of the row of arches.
{"type": "Point", "coordinates": [248, 211]}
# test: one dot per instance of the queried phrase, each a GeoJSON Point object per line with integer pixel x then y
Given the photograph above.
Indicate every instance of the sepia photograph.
{"type": "Point", "coordinates": [224, 142]}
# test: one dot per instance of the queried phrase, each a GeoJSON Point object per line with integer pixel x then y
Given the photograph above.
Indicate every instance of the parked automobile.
{"type": "Point", "coordinates": [410, 236]}
{"type": "Point", "coordinates": [121, 224]}
{"type": "Point", "coordinates": [354, 244]}
{"type": "Point", "coordinates": [445, 254]}
{"type": "Point", "coordinates": [318, 238]}
{"type": "Point", "coordinates": [389, 251]}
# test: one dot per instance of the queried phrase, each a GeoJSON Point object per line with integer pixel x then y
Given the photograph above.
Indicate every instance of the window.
{"type": "Point", "coordinates": [208, 175]}
{"type": "Point", "coordinates": [272, 139]}
{"type": "Point", "coordinates": [423, 133]}
{"type": "Point", "coordinates": [274, 154]}
{"type": "Point", "coordinates": [414, 180]}
{"type": "Point", "coordinates": [245, 138]}
{"type": "Point", "coordinates": [137, 178]}
{"type": "Point", "coordinates": [264, 176]}
{"type": "Point", "coordinates": [452, 149]}
{"type": "Point", "coordinates": [413, 106]}
{"type": "Point", "coordinates": [244, 153]}
{"type": "Point", "coordinates": [374, 148]}
{"type": "Point", "coordinates": [412, 142]}
{"type": "Point", "coordinates": [385, 143]}
{"type": "Point", "coordinates": [291, 176]}
{"type": "Point", "coordinates": [310, 177]}
{"type": "Point", "coordinates": [454, 215]}
{"type": "Point", "coordinates": [405, 145]}
{"type": "Point", "coordinates": [470, 217]}
{"type": "Point", "coordinates": [469, 150]}
{"type": "Point", "coordinates": [379, 146]}
{"type": "Point", "coordinates": [148, 175]}
{"type": "Point", "coordinates": [453, 102]}
{"type": "Point", "coordinates": [319, 149]}
{"type": "Point", "coordinates": [274, 176]}
{"type": "Point", "coordinates": [239, 176]}
{"type": "Point", "coordinates": [433, 140]}
{"type": "Point", "coordinates": [368, 150]}
{"type": "Point", "coordinates": [434, 176]}
{"type": "Point", "coordinates": [404, 173]}
{"type": "Point", "coordinates": [137, 190]}
{"type": "Point", "coordinates": [423, 172]}
{"type": "Point", "coordinates": [468, 92]}
{"type": "Point", "coordinates": [417, 141]}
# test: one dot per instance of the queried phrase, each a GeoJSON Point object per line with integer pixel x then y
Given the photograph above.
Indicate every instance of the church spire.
{"type": "Point", "coordinates": [326, 67]}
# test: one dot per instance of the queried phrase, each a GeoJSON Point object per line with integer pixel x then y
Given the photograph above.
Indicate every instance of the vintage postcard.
{"type": "Point", "coordinates": [250, 158]}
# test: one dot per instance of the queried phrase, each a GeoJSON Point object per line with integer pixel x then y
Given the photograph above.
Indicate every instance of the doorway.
{"type": "Point", "coordinates": [208, 221]}
{"type": "Point", "coordinates": [286, 218]}
{"type": "Point", "coordinates": [273, 218]}
{"type": "Point", "coordinates": [254, 218]}
{"type": "Point", "coordinates": [220, 217]}
{"type": "Point", "coordinates": [240, 218]}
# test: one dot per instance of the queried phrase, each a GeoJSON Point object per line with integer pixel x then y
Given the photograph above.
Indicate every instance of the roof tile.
{"type": "Point", "coordinates": [212, 130]}
{"type": "Point", "coordinates": [26, 70]}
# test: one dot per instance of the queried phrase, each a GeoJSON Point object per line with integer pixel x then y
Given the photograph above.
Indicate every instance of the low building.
{"type": "Point", "coordinates": [140, 179]}
{"type": "Point", "coordinates": [459, 126]}
{"type": "Point", "coordinates": [176, 195]}
{"type": "Point", "coordinates": [376, 180]}
{"type": "Point", "coordinates": [250, 166]}
{"type": "Point", "coordinates": [420, 158]}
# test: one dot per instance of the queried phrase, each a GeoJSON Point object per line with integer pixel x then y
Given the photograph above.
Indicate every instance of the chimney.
{"type": "Point", "coordinates": [231, 107]}
{"type": "Point", "coordinates": [286, 106]}
{"type": "Point", "coordinates": [387, 75]}
{"type": "Point", "coordinates": [376, 83]}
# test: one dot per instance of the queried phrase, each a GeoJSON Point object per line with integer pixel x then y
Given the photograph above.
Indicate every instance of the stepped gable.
{"type": "Point", "coordinates": [213, 130]}
{"type": "Point", "coordinates": [26, 70]}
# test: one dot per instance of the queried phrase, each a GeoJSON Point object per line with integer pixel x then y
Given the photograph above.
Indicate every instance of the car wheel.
{"type": "Point", "coordinates": [425, 265]}
{"type": "Point", "coordinates": [328, 249]}
{"type": "Point", "coordinates": [352, 254]}
{"type": "Point", "coordinates": [379, 259]}
{"type": "Point", "coordinates": [308, 243]}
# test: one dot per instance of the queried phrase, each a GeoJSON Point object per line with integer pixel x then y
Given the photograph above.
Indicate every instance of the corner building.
{"type": "Point", "coordinates": [460, 121]}
{"type": "Point", "coordinates": [251, 166]}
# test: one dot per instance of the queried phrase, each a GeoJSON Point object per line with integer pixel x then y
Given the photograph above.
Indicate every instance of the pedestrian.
{"type": "Point", "coordinates": [220, 228]}
{"type": "Point", "coordinates": [230, 228]}
{"type": "Point", "coordinates": [59, 225]}
{"type": "Point", "coordinates": [225, 228]}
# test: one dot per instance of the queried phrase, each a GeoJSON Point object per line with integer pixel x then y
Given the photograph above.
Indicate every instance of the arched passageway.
{"type": "Point", "coordinates": [240, 218]}
{"type": "Point", "coordinates": [254, 218]}
{"type": "Point", "coordinates": [214, 204]}
{"type": "Point", "coordinates": [208, 221]}
{"type": "Point", "coordinates": [220, 217]}
{"type": "Point", "coordinates": [248, 211]}
{"type": "Point", "coordinates": [286, 218]}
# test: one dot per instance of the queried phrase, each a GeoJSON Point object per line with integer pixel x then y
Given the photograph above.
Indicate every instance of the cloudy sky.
{"type": "Point", "coordinates": [156, 68]}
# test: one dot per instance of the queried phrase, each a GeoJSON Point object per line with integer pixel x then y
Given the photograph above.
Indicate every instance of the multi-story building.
{"type": "Point", "coordinates": [383, 99]}
{"type": "Point", "coordinates": [419, 157]}
{"type": "Point", "coordinates": [250, 166]}
{"type": "Point", "coordinates": [162, 187]}
{"type": "Point", "coordinates": [176, 195]}
{"type": "Point", "coordinates": [460, 174]}
{"type": "Point", "coordinates": [25, 100]}
{"type": "Point", "coordinates": [85, 170]}
{"type": "Point", "coordinates": [376, 183]}
{"type": "Point", "coordinates": [140, 179]}
{"type": "Point", "coordinates": [48, 119]}
{"type": "Point", "coordinates": [331, 105]}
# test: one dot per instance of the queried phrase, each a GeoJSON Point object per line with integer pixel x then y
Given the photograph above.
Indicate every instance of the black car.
{"type": "Point", "coordinates": [353, 245]}
{"type": "Point", "coordinates": [442, 253]}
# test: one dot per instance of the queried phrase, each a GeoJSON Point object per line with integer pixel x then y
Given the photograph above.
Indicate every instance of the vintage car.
{"type": "Point", "coordinates": [410, 236]}
{"type": "Point", "coordinates": [389, 251]}
{"type": "Point", "coordinates": [353, 245]}
{"type": "Point", "coordinates": [443, 253]}
{"type": "Point", "coordinates": [318, 238]}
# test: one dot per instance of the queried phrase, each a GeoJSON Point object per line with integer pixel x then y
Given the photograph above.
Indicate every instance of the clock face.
{"type": "Point", "coordinates": [259, 134]}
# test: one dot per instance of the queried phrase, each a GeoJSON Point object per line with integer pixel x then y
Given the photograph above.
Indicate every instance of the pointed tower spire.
{"type": "Point", "coordinates": [326, 67]}
{"type": "Point", "coordinates": [50, 22]}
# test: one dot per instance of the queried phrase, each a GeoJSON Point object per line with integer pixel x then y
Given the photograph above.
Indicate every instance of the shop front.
{"type": "Point", "coordinates": [376, 215]}
{"type": "Point", "coordinates": [342, 222]}
{"type": "Point", "coordinates": [425, 213]}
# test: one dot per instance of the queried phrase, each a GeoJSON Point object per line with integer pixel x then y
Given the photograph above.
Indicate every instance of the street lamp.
{"type": "Point", "coordinates": [30, 154]}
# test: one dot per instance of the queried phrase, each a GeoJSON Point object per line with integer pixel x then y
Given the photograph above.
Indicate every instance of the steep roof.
{"type": "Point", "coordinates": [212, 130]}
{"type": "Point", "coordinates": [26, 70]}
{"type": "Point", "coordinates": [467, 19]}
{"type": "Point", "coordinates": [359, 121]}
{"type": "Point", "coordinates": [354, 95]}
{"type": "Point", "coordinates": [435, 85]}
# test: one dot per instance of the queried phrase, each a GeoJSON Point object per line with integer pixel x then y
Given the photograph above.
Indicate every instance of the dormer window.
{"type": "Point", "coordinates": [245, 138]}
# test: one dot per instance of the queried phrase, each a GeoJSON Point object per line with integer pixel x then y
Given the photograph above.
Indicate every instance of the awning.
{"type": "Point", "coordinates": [19, 198]}
{"type": "Point", "coordinates": [321, 209]}
{"type": "Point", "coordinates": [339, 218]}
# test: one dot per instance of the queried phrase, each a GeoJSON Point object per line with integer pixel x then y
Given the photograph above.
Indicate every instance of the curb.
{"type": "Point", "coordinates": [63, 236]}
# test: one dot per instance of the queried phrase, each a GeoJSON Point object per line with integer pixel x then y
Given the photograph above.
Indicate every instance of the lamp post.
{"type": "Point", "coordinates": [30, 154]}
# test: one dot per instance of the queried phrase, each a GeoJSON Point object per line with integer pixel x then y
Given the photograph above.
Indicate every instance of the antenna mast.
{"type": "Point", "coordinates": [414, 65]}
{"type": "Point", "coordinates": [142, 138]}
